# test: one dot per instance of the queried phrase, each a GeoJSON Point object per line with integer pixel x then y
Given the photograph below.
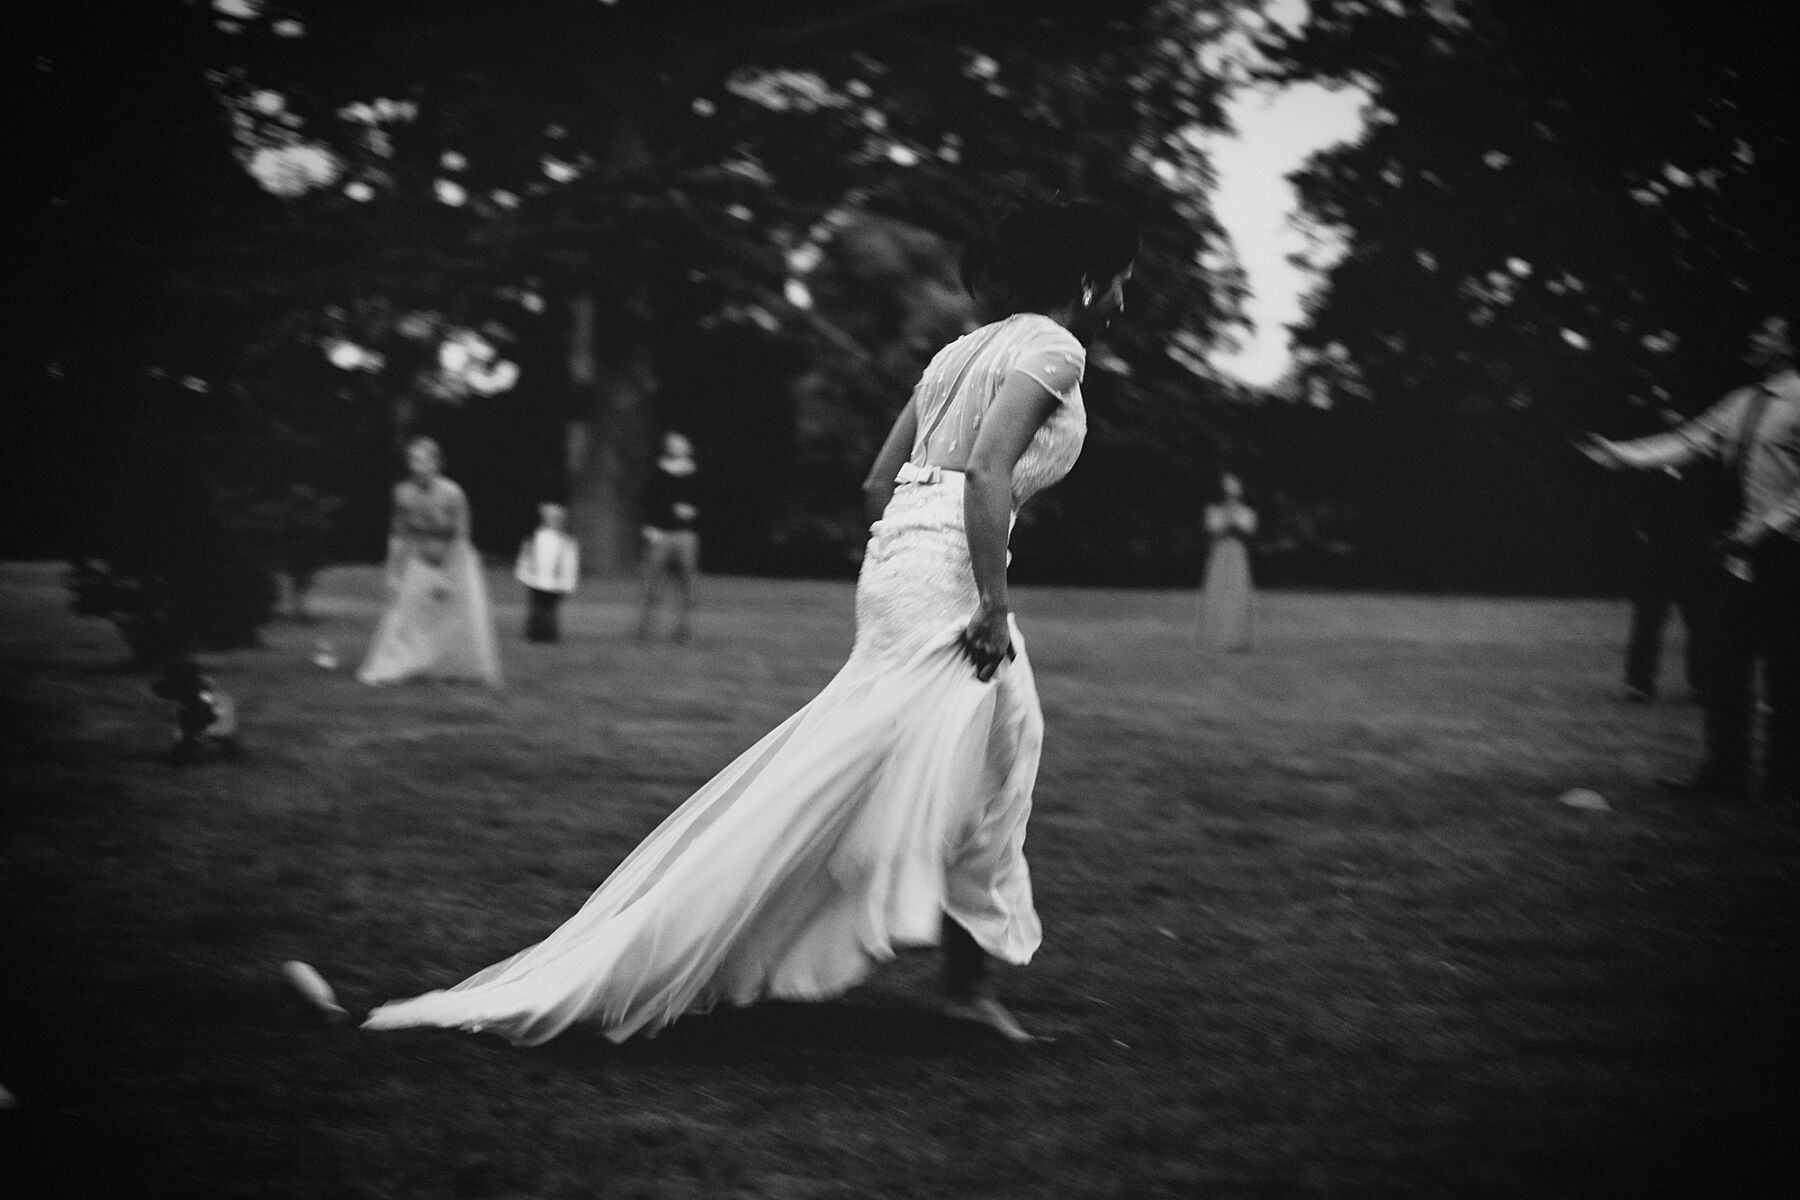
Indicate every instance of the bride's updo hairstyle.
{"type": "Point", "coordinates": [1039, 253]}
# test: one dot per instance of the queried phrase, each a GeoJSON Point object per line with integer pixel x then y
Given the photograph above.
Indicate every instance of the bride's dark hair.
{"type": "Point", "coordinates": [1035, 256]}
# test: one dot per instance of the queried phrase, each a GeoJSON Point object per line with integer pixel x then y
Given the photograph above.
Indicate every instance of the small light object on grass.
{"type": "Point", "coordinates": [1586, 799]}
{"type": "Point", "coordinates": [325, 655]}
{"type": "Point", "coordinates": [312, 988]}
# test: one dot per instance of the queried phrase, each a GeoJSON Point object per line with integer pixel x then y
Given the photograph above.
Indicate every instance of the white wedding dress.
{"type": "Point", "coordinates": [898, 794]}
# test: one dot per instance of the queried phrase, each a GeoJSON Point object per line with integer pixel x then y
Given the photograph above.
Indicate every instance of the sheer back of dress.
{"type": "Point", "coordinates": [961, 382]}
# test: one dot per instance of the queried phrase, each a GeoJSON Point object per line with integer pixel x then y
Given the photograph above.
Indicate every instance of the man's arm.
{"type": "Point", "coordinates": [1703, 437]}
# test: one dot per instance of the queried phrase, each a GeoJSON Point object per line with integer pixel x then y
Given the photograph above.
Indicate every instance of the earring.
{"type": "Point", "coordinates": [1087, 296]}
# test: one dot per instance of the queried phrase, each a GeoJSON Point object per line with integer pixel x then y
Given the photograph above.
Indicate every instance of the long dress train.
{"type": "Point", "coordinates": [899, 794]}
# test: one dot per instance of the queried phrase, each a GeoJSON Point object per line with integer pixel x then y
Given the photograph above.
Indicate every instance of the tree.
{"type": "Point", "coordinates": [571, 195]}
{"type": "Point", "coordinates": [117, 153]}
{"type": "Point", "coordinates": [1562, 217]}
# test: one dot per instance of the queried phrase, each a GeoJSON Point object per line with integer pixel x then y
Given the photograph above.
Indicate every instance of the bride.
{"type": "Point", "coordinates": [891, 809]}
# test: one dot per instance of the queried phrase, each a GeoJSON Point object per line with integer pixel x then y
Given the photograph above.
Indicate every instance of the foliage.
{"type": "Point", "coordinates": [165, 610]}
{"type": "Point", "coordinates": [136, 602]}
{"type": "Point", "coordinates": [287, 530]}
{"type": "Point", "coordinates": [135, 501]}
{"type": "Point", "coordinates": [595, 188]}
{"type": "Point", "coordinates": [1562, 217]}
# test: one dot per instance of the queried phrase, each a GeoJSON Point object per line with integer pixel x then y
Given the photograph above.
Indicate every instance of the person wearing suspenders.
{"type": "Point", "coordinates": [1754, 603]}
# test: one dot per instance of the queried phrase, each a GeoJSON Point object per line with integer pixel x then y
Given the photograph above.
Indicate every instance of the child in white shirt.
{"type": "Point", "coordinates": [549, 561]}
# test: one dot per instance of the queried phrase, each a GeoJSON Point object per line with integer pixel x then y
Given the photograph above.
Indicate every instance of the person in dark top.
{"type": "Point", "coordinates": [671, 536]}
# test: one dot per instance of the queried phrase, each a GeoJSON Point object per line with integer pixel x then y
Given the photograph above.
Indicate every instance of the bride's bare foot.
{"type": "Point", "coordinates": [311, 988]}
{"type": "Point", "coordinates": [985, 1010]}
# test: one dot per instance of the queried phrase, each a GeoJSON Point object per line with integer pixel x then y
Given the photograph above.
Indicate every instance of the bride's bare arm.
{"type": "Point", "coordinates": [878, 486]}
{"type": "Point", "coordinates": [1007, 428]}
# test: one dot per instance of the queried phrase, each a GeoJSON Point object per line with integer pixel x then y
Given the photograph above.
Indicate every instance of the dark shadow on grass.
{"type": "Point", "coordinates": [1745, 1152]}
{"type": "Point", "coordinates": [99, 666]}
{"type": "Point", "coordinates": [83, 1157]}
{"type": "Point", "coordinates": [777, 1032]}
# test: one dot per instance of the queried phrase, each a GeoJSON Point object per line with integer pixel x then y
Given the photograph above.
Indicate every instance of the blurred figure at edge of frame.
{"type": "Point", "coordinates": [1752, 602]}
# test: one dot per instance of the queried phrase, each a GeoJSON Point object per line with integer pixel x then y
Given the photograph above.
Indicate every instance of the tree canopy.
{"type": "Point", "coordinates": [524, 223]}
{"type": "Point", "coordinates": [544, 232]}
{"type": "Point", "coordinates": [1563, 216]}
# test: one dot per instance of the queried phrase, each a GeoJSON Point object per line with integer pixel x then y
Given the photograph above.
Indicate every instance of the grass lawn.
{"type": "Point", "coordinates": [1316, 923]}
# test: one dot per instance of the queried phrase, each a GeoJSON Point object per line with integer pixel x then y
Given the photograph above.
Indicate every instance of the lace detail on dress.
{"type": "Point", "coordinates": [1026, 342]}
{"type": "Point", "coordinates": [916, 581]}
{"type": "Point", "coordinates": [917, 585]}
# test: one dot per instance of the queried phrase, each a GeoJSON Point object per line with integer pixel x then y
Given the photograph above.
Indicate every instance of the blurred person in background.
{"type": "Point", "coordinates": [671, 536]}
{"type": "Point", "coordinates": [1227, 601]}
{"type": "Point", "coordinates": [1752, 601]}
{"type": "Point", "coordinates": [891, 809]}
{"type": "Point", "coordinates": [438, 624]}
{"type": "Point", "coordinates": [549, 564]}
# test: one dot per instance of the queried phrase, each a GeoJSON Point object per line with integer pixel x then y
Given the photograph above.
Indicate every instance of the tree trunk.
{"type": "Point", "coordinates": [609, 445]}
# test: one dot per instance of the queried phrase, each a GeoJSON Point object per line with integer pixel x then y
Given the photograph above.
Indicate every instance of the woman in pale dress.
{"type": "Point", "coordinates": [891, 809]}
{"type": "Point", "coordinates": [1227, 601]}
{"type": "Point", "coordinates": [438, 624]}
